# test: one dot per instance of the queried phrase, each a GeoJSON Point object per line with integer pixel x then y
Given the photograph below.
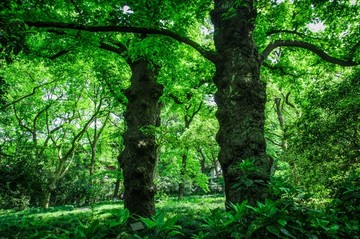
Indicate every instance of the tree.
{"type": "Point", "coordinates": [178, 136]}
{"type": "Point", "coordinates": [139, 157]}
{"type": "Point", "coordinates": [326, 153]}
{"type": "Point", "coordinates": [51, 108]}
{"type": "Point", "coordinates": [241, 93]}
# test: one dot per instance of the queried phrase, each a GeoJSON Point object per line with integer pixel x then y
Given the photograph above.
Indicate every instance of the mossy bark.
{"type": "Point", "coordinates": [241, 98]}
{"type": "Point", "coordinates": [139, 157]}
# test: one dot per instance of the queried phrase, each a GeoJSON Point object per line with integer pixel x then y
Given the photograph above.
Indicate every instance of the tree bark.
{"type": "Point", "coordinates": [116, 189]}
{"type": "Point", "coordinates": [181, 190]}
{"type": "Point", "coordinates": [48, 193]}
{"type": "Point", "coordinates": [281, 119]}
{"type": "Point", "coordinates": [46, 202]}
{"type": "Point", "coordinates": [240, 98]}
{"type": "Point", "coordinates": [118, 180]}
{"type": "Point", "coordinates": [139, 157]}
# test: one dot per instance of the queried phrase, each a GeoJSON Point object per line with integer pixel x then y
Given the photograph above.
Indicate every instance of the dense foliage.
{"type": "Point", "coordinates": [145, 101]}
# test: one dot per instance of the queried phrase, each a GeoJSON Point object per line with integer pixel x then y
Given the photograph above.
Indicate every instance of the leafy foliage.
{"type": "Point", "coordinates": [282, 218]}
{"type": "Point", "coordinates": [329, 138]}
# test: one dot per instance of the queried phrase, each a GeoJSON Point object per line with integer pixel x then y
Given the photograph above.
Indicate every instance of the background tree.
{"type": "Point", "coordinates": [329, 144]}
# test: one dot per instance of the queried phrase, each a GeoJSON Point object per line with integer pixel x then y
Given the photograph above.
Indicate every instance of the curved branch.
{"type": "Point", "coordinates": [288, 102]}
{"type": "Point", "coordinates": [60, 53]}
{"type": "Point", "coordinates": [175, 99]}
{"type": "Point", "coordinates": [120, 49]}
{"type": "Point", "coordinates": [34, 90]}
{"type": "Point", "coordinates": [308, 46]}
{"type": "Point", "coordinates": [144, 30]}
{"type": "Point", "coordinates": [108, 47]}
{"type": "Point", "coordinates": [272, 141]}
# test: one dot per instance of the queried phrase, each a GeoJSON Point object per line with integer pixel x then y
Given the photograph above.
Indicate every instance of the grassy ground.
{"type": "Point", "coordinates": [75, 222]}
{"type": "Point", "coordinates": [192, 217]}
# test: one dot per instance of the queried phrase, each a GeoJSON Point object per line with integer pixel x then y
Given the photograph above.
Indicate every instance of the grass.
{"type": "Point", "coordinates": [69, 221]}
{"type": "Point", "coordinates": [192, 217]}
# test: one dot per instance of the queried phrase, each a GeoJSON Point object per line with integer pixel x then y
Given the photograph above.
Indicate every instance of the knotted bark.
{"type": "Point", "coordinates": [139, 157]}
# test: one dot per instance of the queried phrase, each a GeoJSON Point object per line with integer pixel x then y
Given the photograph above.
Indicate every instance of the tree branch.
{"type": "Point", "coordinates": [20, 123]}
{"type": "Point", "coordinates": [308, 46]}
{"type": "Point", "coordinates": [78, 136]}
{"type": "Point", "coordinates": [195, 112]}
{"type": "Point", "coordinates": [175, 99]}
{"type": "Point", "coordinates": [60, 53]}
{"type": "Point", "coordinates": [293, 32]}
{"type": "Point", "coordinates": [288, 102]}
{"type": "Point", "coordinates": [152, 31]}
{"type": "Point", "coordinates": [28, 95]}
{"type": "Point", "coordinates": [272, 141]}
{"type": "Point", "coordinates": [118, 50]}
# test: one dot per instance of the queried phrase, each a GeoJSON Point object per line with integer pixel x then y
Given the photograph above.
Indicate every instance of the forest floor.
{"type": "Point", "coordinates": [69, 221]}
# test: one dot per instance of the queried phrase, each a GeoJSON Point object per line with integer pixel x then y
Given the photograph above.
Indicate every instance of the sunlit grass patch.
{"type": "Point", "coordinates": [192, 205]}
{"type": "Point", "coordinates": [65, 221]}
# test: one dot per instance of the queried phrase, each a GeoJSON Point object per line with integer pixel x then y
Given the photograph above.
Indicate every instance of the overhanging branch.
{"type": "Point", "coordinates": [108, 47]}
{"type": "Point", "coordinates": [60, 53]}
{"type": "Point", "coordinates": [308, 46]}
{"type": "Point", "coordinates": [152, 31]}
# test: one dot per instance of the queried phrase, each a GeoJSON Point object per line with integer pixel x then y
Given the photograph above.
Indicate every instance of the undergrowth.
{"type": "Point", "coordinates": [193, 217]}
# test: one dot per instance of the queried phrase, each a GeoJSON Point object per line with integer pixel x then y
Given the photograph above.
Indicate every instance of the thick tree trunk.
{"type": "Point", "coordinates": [241, 101]}
{"type": "Point", "coordinates": [139, 157]}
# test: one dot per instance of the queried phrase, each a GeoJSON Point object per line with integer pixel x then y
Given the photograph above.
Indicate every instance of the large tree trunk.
{"type": "Point", "coordinates": [139, 157]}
{"type": "Point", "coordinates": [241, 101]}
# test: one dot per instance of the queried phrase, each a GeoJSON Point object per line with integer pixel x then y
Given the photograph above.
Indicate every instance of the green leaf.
{"type": "Point", "coordinates": [273, 229]}
{"type": "Point", "coordinates": [333, 229]}
{"type": "Point", "coordinates": [282, 222]}
{"type": "Point", "coordinates": [248, 182]}
{"type": "Point", "coordinates": [287, 233]}
{"type": "Point", "coordinates": [174, 233]}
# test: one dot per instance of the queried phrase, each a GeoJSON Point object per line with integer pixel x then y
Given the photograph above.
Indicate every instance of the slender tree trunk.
{"type": "Point", "coordinates": [116, 189]}
{"type": "Point", "coordinates": [118, 181]}
{"type": "Point", "coordinates": [46, 202]}
{"type": "Point", "coordinates": [181, 190]}
{"type": "Point", "coordinates": [139, 157]}
{"type": "Point", "coordinates": [281, 122]}
{"type": "Point", "coordinates": [90, 192]}
{"type": "Point", "coordinates": [203, 159]}
{"type": "Point", "coordinates": [188, 118]}
{"type": "Point", "coordinates": [241, 101]}
{"type": "Point", "coordinates": [48, 193]}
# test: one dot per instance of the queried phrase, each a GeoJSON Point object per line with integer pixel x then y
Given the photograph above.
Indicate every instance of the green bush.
{"type": "Point", "coordinates": [283, 218]}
